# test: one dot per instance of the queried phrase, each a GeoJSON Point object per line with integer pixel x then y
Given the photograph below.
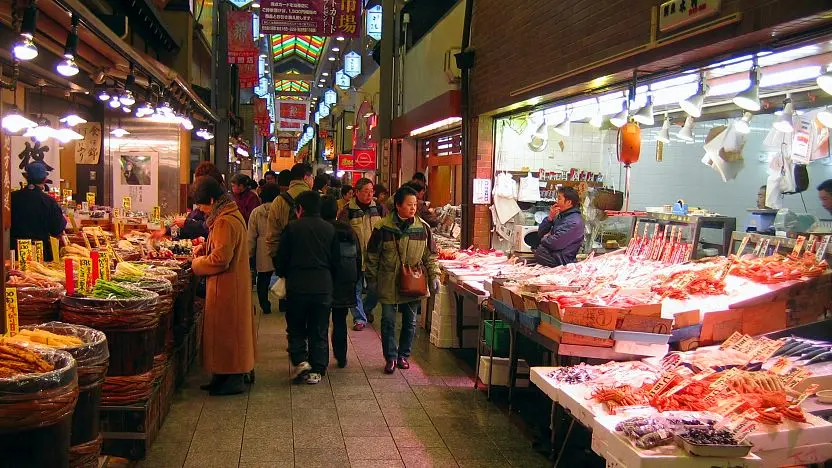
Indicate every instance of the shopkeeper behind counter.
{"type": "Point", "coordinates": [560, 235]}
{"type": "Point", "coordinates": [35, 215]}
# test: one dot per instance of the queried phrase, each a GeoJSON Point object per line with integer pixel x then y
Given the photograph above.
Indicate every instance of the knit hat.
{"type": "Point", "coordinates": [36, 172]}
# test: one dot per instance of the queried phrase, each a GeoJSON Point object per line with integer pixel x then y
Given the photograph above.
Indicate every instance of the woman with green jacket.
{"type": "Point", "coordinates": [400, 237]}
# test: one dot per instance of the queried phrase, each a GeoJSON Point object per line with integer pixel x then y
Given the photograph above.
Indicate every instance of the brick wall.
{"type": "Point", "coordinates": [534, 40]}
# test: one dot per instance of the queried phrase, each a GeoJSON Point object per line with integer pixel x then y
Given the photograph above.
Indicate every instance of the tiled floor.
{"type": "Point", "coordinates": [427, 416]}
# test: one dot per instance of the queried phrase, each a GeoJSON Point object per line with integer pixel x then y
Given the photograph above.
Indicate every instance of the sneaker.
{"type": "Point", "coordinates": [358, 326]}
{"type": "Point", "coordinates": [301, 369]}
{"type": "Point", "coordinates": [313, 378]}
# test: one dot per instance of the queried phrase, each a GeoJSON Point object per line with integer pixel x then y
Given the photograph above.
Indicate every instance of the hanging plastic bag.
{"type": "Point", "coordinates": [529, 189]}
{"type": "Point", "coordinates": [505, 186]}
{"type": "Point", "coordinates": [279, 288]}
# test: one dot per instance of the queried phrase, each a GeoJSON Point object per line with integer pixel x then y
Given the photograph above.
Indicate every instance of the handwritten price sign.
{"type": "Point", "coordinates": [24, 253]}
{"type": "Point", "coordinates": [127, 204]}
{"type": "Point", "coordinates": [10, 302]}
{"type": "Point", "coordinates": [37, 251]}
{"type": "Point", "coordinates": [84, 276]}
{"type": "Point", "coordinates": [90, 198]}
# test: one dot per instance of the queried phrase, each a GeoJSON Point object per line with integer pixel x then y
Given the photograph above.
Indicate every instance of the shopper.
{"type": "Point", "coordinates": [347, 192]}
{"type": "Point", "coordinates": [35, 215]}
{"type": "Point", "coordinates": [194, 225]}
{"type": "Point", "coordinates": [401, 238]}
{"type": "Point", "coordinates": [270, 177]}
{"type": "Point", "coordinates": [206, 168]}
{"type": "Point", "coordinates": [321, 184]}
{"type": "Point", "coordinates": [419, 177]}
{"type": "Point", "coordinates": [308, 258]}
{"type": "Point", "coordinates": [561, 233]}
{"type": "Point", "coordinates": [424, 211]}
{"type": "Point", "coordinates": [284, 179]}
{"type": "Point", "coordinates": [381, 194]}
{"type": "Point", "coordinates": [228, 336]}
{"type": "Point", "coordinates": [245, 198]}
{"type": "Point", "coordinates": [282, 210]}
{"type": "Point", "coordinates": [258, 225]}
{"type": "Point", "coordinates": [349, 268]}
{"type": "Point", "coordinates": [825, 195]}
{"type": "Point", "coordinates": [362, 213]}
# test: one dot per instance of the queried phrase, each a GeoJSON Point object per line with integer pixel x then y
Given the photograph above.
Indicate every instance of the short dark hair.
{"type": "Point", "coordinates": [269, 192]}
{"type": "Point", "coordinates": [335, 182]}
{"type": "Point", "coordinates": [402, 193]}
{"type": "Point", "coordinates": [826, 186]}
{"type": "Point", "coordinates": [345, 189]}
{"type": "Point", "coordinates": [379, 189]}
{"type": "Point", "coordinates": [329, 208]}
{"type": "Point", "coordinates": [301, 170]}
{"type": "Point", "coordinates": [310, 201]}
{"type": "Point", "coordinates": [362, 182]}
{"type": "Point", "coordinates": [417, 186]}
{"type": "Point", "coordinates": [270, 173]}
{"type": "Point", "coordinates": [570, 194]}
{"type": "Point", "coordinates": [321, 181]}
{"type": "Point", "coordinates": [205, 189]}
{"type": "Point", "coordinates": [284, 178]}
{"type": "Point", "coordinates": [240, 179]}
{"type": "Point", "coordinates": [207, 168]}
{"type": "Point", "coordinates": [261, 182]}
{"type": "Point", "coordinates": [420, 176]}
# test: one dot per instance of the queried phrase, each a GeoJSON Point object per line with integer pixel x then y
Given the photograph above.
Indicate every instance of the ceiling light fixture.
{"type": "Point", "coordinates": [597, 118]}
{"type": "Point", "coordinates": [742, 125]}
{"type": "Point", "coordinates": [66, 134]}
{"type": "Point", "coordinates": [67, 67]}
{"type": "Point", "coordinates": [41, 132]}
{"type": "Point", "coordinates": [783, 123]}
{"type": "Point", "coordinates": [750, 98]}
{"type": "Point", "coordinates": [664, 133]}
{"type": "Point", "coordinates": [325, 74]}
{"type": "Point", "coordinates": [26, 48]}
{"type": "Point", "coordinates": [693, 104]}
{"type": "Point", "coordinates": [71, 118]}
{"type": "Point", "coordinates": [644, 115]}
{"type": "Point", "coordinates": [103, 95]}
{"type": "Point", "coordinates": [620, 118]}
{"type": "Point", "coordinates": [331, 58]}
{"type": "Point", "coordinates": [14, 121]}
{"type": "Point", "coordinates": [127, 97]}
{"type": "Point", "coordinates": [686, 133]}
{"type": "Point", "coordinates": [563, 128]}
{"type": "Point", "coordinates": [114, 103]}
{"type": "Point", "coordinates": [340, 38]}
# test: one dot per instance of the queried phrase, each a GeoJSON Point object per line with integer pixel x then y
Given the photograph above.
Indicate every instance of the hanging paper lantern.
{"type": "Point", "coordinates": [330, 97]}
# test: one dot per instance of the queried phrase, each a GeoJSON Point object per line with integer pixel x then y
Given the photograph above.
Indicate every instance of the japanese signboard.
{"type": "Point", "coordinates": [293, 111]}
{"type": "Point", "coordinates": [374, 22]}
{"type": "Point", "coordinates": [5, 173]}
{"type": "Point", "coordinates": [342, 80]}
{"type": "Point", "coordinates": [352, 64]}
{"type": "Point", "coordinates": [365, 159]}
{"type": "Point", "coordinates": [24, 253]}
{"type": "Point", "coordinates": [261, 112]}
{"type": "Point", "coordinates": [27, 150]}
{"type": "Point", "coordinates": [90, 198]}
{"type": "Point", "coordinates": [311, 17]}
{"type": "Point", "coordinates": [10, 303]}
{"type": "Point", "coordinates": [346, 162]}
{"type": "Point", "coordinates": [155, 214]}
{"type": "Point", "coordinates": [126, 203]}
{"type": "Point", "coordinates": [88, 150]}
{"type": "Point", "coordinates": [84, 275]}
{"type": "Point", "coordinates": [241, 48]}
{"type": "Point", "coordinates": [482, 192]}
{"type": "Point", "coordinates": [37, 251]}
{"type": "Point", "coordinates": [249, 76]}
{"type": "Point", "coordinates": [674, 14]}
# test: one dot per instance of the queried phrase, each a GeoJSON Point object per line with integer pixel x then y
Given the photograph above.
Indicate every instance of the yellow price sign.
{"type": "Point", "coordinates": [155, 215]}
{"type": "Point", "coordinates": [56, 249]}
{"type": "Point", "coordinates": [84, 276]}
{"type": "Point", "coordinates": [116, 212]}
{"type": "Point", "coordinates": [67, 193]}
{"type": "Point", "coordinates": [24, 253]}
{"type": "Point", "coordinates": [90, 198]}
{"type": "Point", "coordinates": [104, 266]}
{"type": "Point", "coordinates": [126, 203]}
{"type": "Point", "coordinates": [113, 254]}
{"type": "Point", "coordinates": [37, 251]}
{"type": "Point", "coordinates": [10, 302]}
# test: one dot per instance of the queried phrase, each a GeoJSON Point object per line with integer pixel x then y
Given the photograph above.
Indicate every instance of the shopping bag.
{"type": "Point", "coordinates": [279, 288]}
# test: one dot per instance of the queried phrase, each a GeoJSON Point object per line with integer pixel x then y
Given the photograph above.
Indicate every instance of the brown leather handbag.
{"type": "Point", "coordinates": [412, 279]}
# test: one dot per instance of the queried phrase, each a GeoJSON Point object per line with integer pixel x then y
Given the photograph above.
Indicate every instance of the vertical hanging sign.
{"type": "Point", "coordinates": [374, 22]}
{"type": "Point", "coordinates": [342, 80]}
{"type": "Point", "coordinates": [241, 48]}
{"type": "Point", "coordinates": [352, 64]}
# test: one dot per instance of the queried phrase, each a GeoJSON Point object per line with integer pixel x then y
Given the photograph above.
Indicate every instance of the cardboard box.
{"type": "Point", "coordinates": [689, 344]}
{"type": "Point", "coordinates": [764, 318]}
{"type": "Point", "coordinates": [717, 326]}
{"type": "Point", "coordinates": [603, 318]}
{"type": "Point", "coordinates": [640, 349]}
{"type": "Point", "coordinates": [686, 319]}
{"type": "Point", "coordinates": [640, 323]}
{"type": "Point", "coordinates": [583, 340]}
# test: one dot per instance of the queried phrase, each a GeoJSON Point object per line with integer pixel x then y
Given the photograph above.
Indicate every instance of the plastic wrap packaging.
{"type": "Point", "coordinates": [159, 285]}
{"type": "Point", "coordinates": [91, 357]}
{"type": "Point", "coordinates": [132, 314]}
{"type": "Point", "coordinates": [35, 400]}
{"type": "Point", "coordinates": [38, 305]}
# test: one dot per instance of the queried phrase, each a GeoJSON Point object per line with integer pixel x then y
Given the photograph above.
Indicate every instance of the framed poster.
{"type": "Point", "coordinates": [27, 150]}
{"type": "Point", "coordinates": [136, 175]}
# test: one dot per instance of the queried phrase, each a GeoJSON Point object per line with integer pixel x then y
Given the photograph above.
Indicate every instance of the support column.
{"type": "Point", "coordinates": [386, 72]}
{"type": "Point", "coordinates": [221, 96]}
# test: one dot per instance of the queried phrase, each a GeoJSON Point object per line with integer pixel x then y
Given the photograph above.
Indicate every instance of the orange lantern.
{"type": "Point", "coordinates": [629, 143]}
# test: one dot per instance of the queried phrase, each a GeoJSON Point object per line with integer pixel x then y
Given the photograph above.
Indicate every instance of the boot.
{"type": "Point", "coordinates": [216, 380]}
{"type": "Point", "coordinates": [233, 385]}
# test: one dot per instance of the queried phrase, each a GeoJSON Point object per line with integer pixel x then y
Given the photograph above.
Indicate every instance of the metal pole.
{"type": "Point", "coordinates": [469, 147]}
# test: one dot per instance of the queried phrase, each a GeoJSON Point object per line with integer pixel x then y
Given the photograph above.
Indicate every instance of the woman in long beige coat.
{"type": "Point", "coordinates": [228, 325]}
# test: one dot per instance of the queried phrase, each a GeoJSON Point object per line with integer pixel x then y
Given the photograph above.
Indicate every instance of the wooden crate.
{"type": "Point", "coordinates": [130, 430]}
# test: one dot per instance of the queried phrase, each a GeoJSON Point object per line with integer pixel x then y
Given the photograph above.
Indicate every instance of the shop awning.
{"type": "Point", "coordinates": [443, 108]}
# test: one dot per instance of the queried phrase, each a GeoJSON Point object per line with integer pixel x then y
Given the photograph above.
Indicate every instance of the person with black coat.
{"type": "Point", "coordinates": [308, 256]}
{"type": "Point", "coordinates": [35, 215]}
{"type": "Point", "coordinates": [343, 295]}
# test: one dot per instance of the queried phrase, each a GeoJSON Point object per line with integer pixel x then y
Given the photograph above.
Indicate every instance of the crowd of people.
{"type": "Point", "coordinates": [341, 250]}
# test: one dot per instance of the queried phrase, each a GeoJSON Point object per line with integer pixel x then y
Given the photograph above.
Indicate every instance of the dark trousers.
{"type": "Point", "coordinates": [339, 332]}
{"type": "Point", "coordinates": [263, 282]}
{"type": "Point", "coordinates": [307, 327]}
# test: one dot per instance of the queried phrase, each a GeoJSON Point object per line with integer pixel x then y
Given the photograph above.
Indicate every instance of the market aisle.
{"type": "Point", "coordinates": [357, 416]}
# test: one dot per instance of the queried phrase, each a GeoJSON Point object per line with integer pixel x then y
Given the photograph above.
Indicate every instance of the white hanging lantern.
{"type": "Point", "coordinates": [330, 97]}
{"type": "Point", "coordinates": [352, 64]}
{"type": "Point", "coordinates": [342, 80]}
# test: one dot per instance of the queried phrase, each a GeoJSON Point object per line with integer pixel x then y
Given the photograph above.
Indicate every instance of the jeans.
{"type": "Point", "coordinates": [263, 282]}
{"type": "Point", "coordinates": [339, 333]}
{"type": "Point", "coordinates": [307, 327]}
{"type": "Point", "coordinates": [388, 329]}
{"type": "Point", "coordinates": [363, 305]}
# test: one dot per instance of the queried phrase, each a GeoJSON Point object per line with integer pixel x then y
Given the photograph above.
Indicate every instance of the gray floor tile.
{"type": "Point", "coordinates": [380, 385]}
{"type": "Point", "coordinates": [358, 408]}
{"type": "Point", "coordinates": [221, 440]}
{"type": "Point", "coordinates": [318, 437]}
{"type": "Point", "coordinates": [212, 459]}
{"type": "Point", "coordinates": [371, 448]}
{"type": "Point", "coordinates": [314, 417]}
{"type": "Point", "coordinates": [402, 400]}
{"type": "Point", "coordinates": [264, 450]}
{"type": "Point", "coordinates": [527, 458]}
{"type": "Point", "coordinates": [376, 464]}
{"type": "Point", "coordinates": [316, 458]}
{"type": "Point", "coordinates": [430, 457]}
{"type": "Point", "coordinates": [164, 454]}
{"type": "Point", "coordinates": [353, 392]}
{"type": "Point", "coordinates": [366, 428]}
{"type": "Point", "coordinates": [396, 416]}
{"type": "Point", "coordinates": [416, 436]}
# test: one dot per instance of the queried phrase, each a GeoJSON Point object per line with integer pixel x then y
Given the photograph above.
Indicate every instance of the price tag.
{"type": "Point", "coordinates": [722, 382]}
{"type": "Point", "coordinates": [733, 339]}
{"type": "Point", "coordinates": [90, 198]}
{"type": "Point", "coordinates": [127, 204]}
{"type": "Point", "coordinates": [72, 221]}
{"type": "Point", "coordinates": [116, 213]}
{"type": "Point", "coordinates": [104, 266]}
{"type": "Point", "coordinates": [764, 245]}
{"type": "Point", "coordinates": [824, 244]}
{"type": "Point", "coordinates": [810, 390]}
{"type": "Point", "coordinates": [705, 373]}
{"type": "Point", "coordinates": [798, 246]}
{"type": "Point", "coordinates": [84, 276]}
{"type": "Point", "coordinates": [743, 244]}
{"type": "Point", "coordinates": [730, 404]}
{"type": "Point", "coordinates": [155, 215]}
{"type": "Point", "coordinates": [85, 206]}
{"type": "Point", "coordinates": [10, 302]}
{"type": "Point", "coordinates": [95, 239]}
{"type": "Point", "coordinates": [746, 426]}
{"type": "Point", "coordinates": [67, 193]}
{"type": "Point", "coordinates": [660, 385]}
{"type": "Point", "coordinates": [713, 399]}
{"type": "Point", "coordinates": [56, 249]}
{"type": "Point", "coordinates": [24, 253]}
{"type": "Point", "coordinates": [86, 240]}
{"type": "Point", "coordinates": [779, 366]}
{"type": "Point", "coordinates": [37, 251]}
{"type": "Point", "coordinates": [795, 376]}
{"type": "Point", "coordinates": [114, 254]}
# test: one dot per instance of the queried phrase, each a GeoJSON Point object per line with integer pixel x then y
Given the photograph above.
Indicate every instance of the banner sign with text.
{"type": "Point", "coordinates": [311, 17]}
{"type": "Point", "coordinates": [241, 48]}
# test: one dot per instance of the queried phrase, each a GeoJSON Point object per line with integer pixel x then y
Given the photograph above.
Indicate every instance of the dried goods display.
{"type": "Point", "coordinates": [31, 279]}
{"type": "Point", "coordinates": [44, 337]}
{"type": "Point", "coordinates": [17, 360]}
{"type": "Point", "coordinates": [778, 268]}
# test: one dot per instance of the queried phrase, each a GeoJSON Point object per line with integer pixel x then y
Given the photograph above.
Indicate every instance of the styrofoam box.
{"type": "Point", "coordinates": [501, 372]}
{"type": "Point", "coordinates": [791, 434]}
{"type": "Point", "coordinates": [797, 456]}
{"type": "Point", "coordinates": [640, 349]}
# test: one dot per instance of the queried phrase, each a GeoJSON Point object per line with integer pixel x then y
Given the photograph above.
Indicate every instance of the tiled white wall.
{"type": "Point", "coordinates": [679, 175]}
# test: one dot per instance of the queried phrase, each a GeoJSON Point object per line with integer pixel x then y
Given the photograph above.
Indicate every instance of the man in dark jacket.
{"type": "Point", "coordinates": [35, 215]}
{"type": "Point", "coordinates": [308, 257]}
{"type": "Point", "coordinates": [343, 295]}
{"type": "Point", "coordinates": [562, 232]}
